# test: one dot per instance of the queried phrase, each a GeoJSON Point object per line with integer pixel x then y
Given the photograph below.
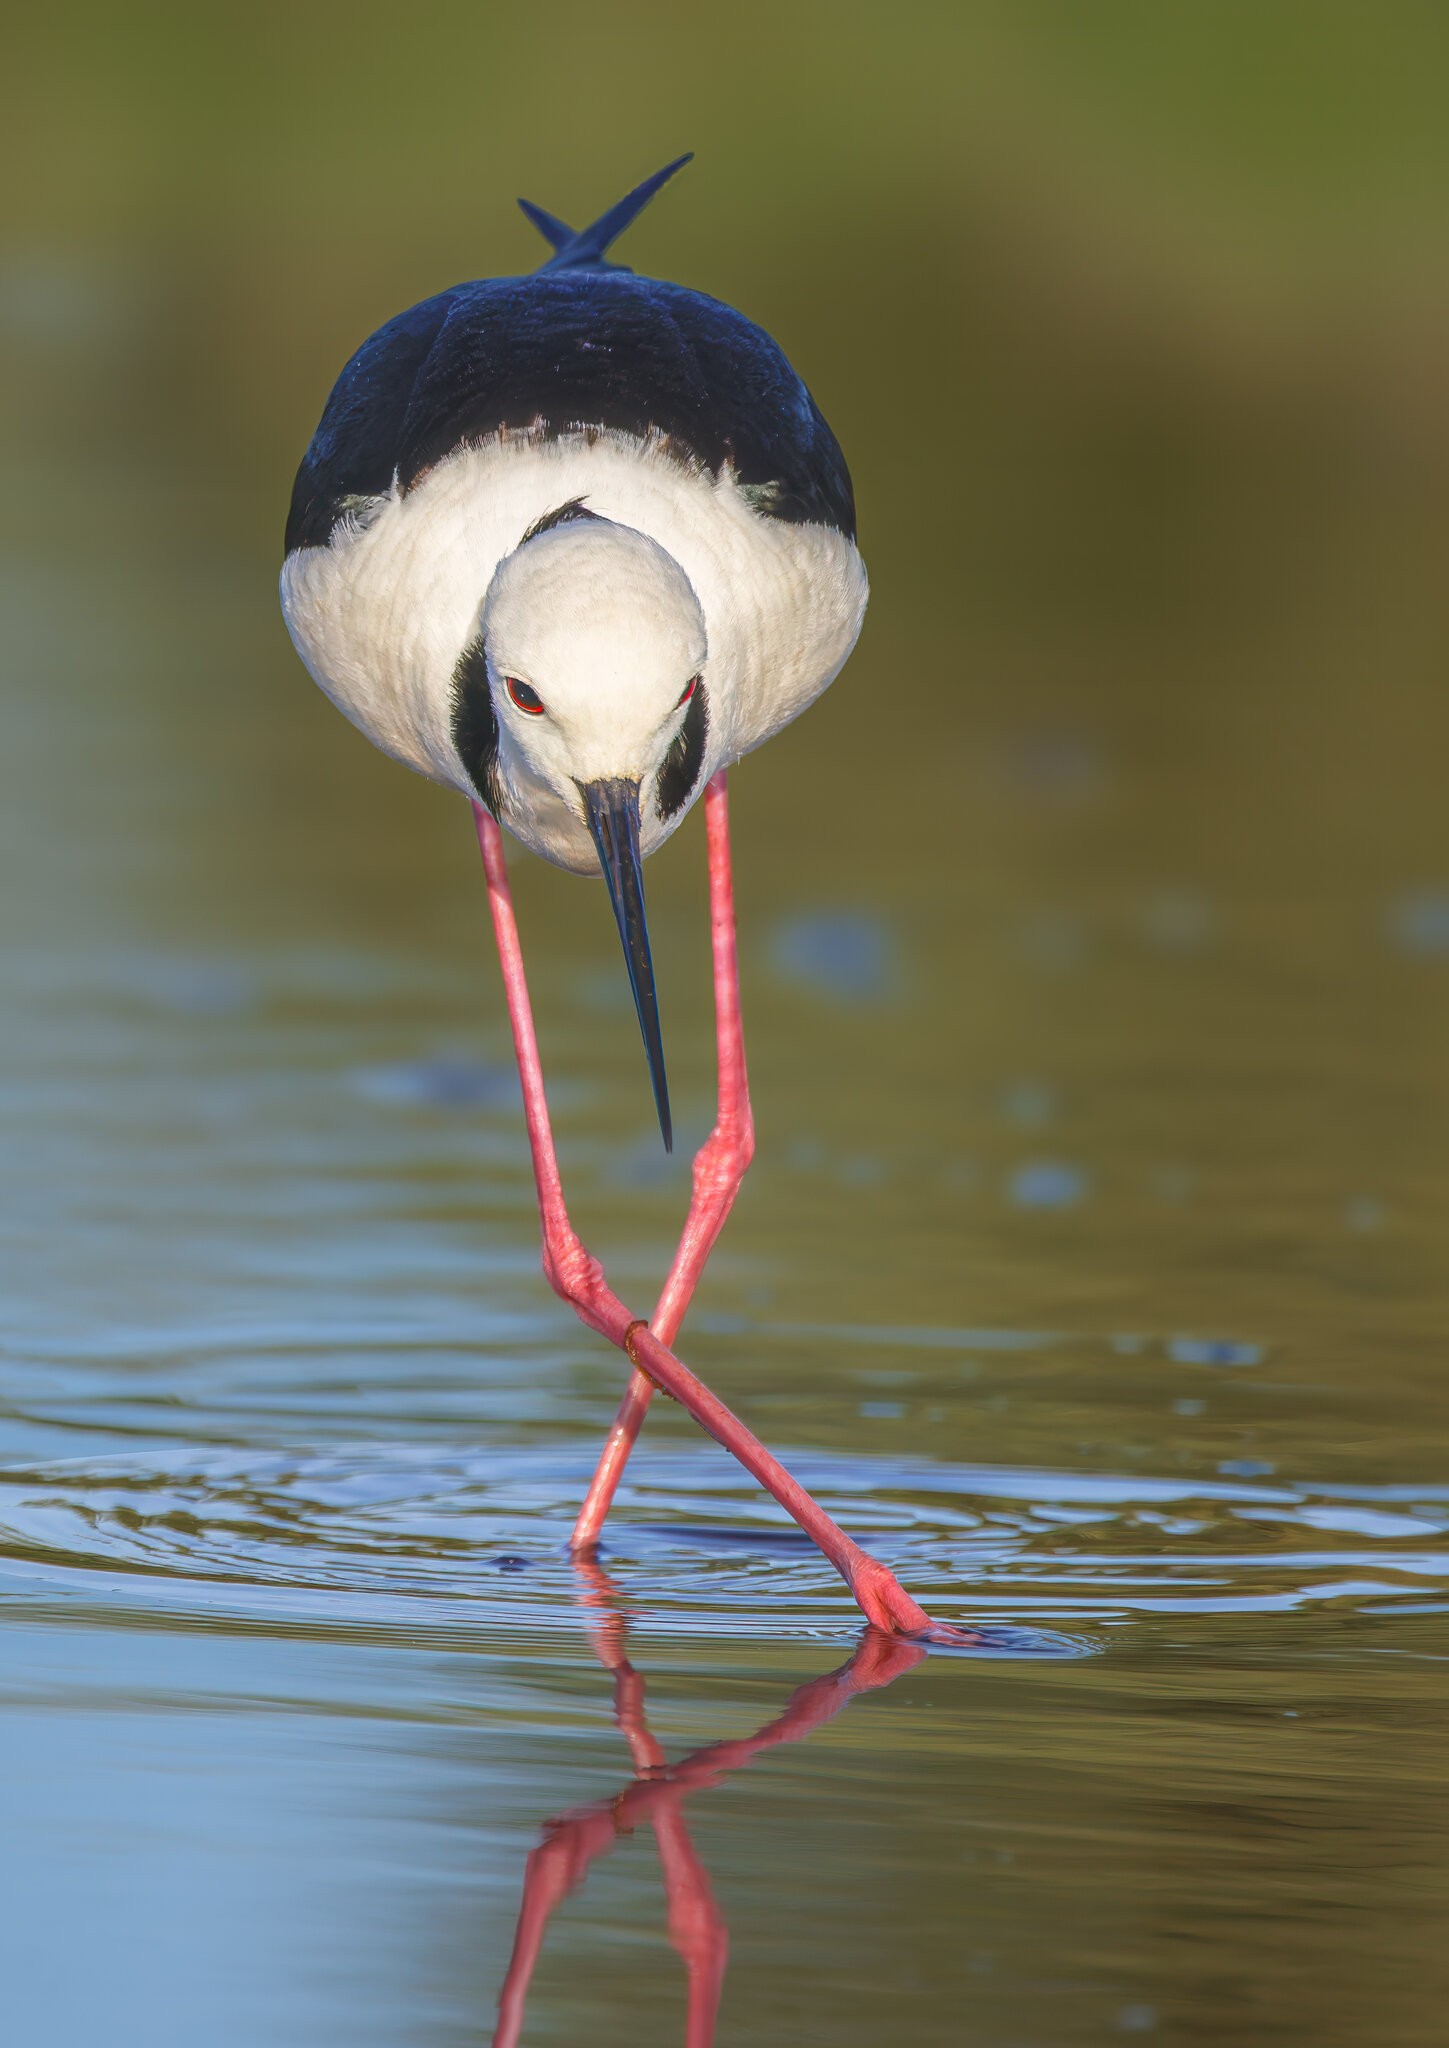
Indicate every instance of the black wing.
{"type": "Point", "coordinates": [562, 350]}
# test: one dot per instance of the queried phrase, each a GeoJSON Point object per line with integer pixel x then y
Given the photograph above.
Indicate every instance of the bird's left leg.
{"type": "Point", "coordinates": [719, 1167]}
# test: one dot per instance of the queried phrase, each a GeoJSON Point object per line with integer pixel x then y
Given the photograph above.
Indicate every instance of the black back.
{"type": "Point", "coordinates": [561, 350]}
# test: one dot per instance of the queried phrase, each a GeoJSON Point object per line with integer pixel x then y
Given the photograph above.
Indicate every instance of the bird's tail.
{"type": "Point", "coordinates": [586, 250]}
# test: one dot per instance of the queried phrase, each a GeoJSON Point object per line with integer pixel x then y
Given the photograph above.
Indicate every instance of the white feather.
{"type": "Point", "coordinates": [382, 613]}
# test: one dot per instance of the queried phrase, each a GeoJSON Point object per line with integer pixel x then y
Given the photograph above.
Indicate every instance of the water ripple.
{"type": "Point", "coordinates": [381, 1537]}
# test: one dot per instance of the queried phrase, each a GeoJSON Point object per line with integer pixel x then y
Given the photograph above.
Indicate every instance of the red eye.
{"type": "Point", "coordinates": [526, 699]}
{"type": "Point", "coordinates": [689, 689]}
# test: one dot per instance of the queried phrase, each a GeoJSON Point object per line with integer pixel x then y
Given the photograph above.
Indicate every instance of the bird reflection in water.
{"type": "Point", "coordinates": [656, 1795]}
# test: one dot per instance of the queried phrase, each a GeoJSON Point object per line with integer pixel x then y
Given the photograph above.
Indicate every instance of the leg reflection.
{"type": "Point", "coordinates": [656, 1794]}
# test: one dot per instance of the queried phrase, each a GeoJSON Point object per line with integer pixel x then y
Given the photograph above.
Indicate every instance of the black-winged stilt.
{"type": "Point", "coordinates": [570, 544]}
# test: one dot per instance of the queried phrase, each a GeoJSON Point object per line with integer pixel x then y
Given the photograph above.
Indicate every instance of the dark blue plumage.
{"type": "Point", "coordinates": [589, 248]}
{"type": "Point", "coordinates": [581, 343]}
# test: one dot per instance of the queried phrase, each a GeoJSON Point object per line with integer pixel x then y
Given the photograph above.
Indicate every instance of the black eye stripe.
{"type": "Point", "coordinates": [475, 723]}
{"type": "Point", "coordinates": [685, 759]}
{"type": "Point", "coordinates": [525, 698]}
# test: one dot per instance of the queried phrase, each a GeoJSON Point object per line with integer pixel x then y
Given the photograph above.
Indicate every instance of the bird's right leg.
{"type": "Point", "coordinates": [719, 1167]}
{"type": "Point", "coordinates": [570, 1270]}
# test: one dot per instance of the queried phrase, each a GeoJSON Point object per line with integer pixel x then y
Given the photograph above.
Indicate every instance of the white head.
{"type": "Point", "coordinates": [594, 646]}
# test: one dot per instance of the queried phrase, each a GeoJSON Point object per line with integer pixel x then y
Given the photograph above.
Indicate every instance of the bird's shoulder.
{"type": "Point", "coordinates": [562, 351]}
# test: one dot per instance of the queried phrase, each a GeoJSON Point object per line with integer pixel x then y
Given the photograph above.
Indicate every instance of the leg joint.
{"type": "Point", "coordinates": [724, 1157]}
{"type": "Point", "coordinates": [572, 1272]}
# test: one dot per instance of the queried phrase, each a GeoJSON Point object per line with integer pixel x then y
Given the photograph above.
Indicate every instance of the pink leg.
{"type": "Point", "coordinates": [578, 1277]}
{"type": "Point", "coordinates": [719, 1167]}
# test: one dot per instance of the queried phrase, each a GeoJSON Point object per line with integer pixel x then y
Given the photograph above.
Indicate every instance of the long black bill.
{"type": "Point", "coordinates": [612, 810]}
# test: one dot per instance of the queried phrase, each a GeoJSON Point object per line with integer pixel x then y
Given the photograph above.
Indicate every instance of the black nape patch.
{"type": "Point", "coordinates": [685, 758]}
{"type": "Point", "coordinates": [561, 515]}
{"type": "Point", "coordinates": [475, 723]}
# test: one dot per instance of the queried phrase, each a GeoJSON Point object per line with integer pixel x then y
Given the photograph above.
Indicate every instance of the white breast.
{"type": "Point", "coordinates": [382, 613]}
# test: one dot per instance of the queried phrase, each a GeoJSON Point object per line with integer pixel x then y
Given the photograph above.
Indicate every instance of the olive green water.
{"type": "Point", "coordinates": [1095, 937]}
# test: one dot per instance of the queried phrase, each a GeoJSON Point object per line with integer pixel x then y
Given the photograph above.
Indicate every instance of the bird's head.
{"type": "Point", "coordinates": [596, 644]}
{"type": "Point", "coordinates": [595, 649]}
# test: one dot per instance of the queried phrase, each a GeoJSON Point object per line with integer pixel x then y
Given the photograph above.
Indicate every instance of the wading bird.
{"type": "Point", "coordinates": [570, 543]}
